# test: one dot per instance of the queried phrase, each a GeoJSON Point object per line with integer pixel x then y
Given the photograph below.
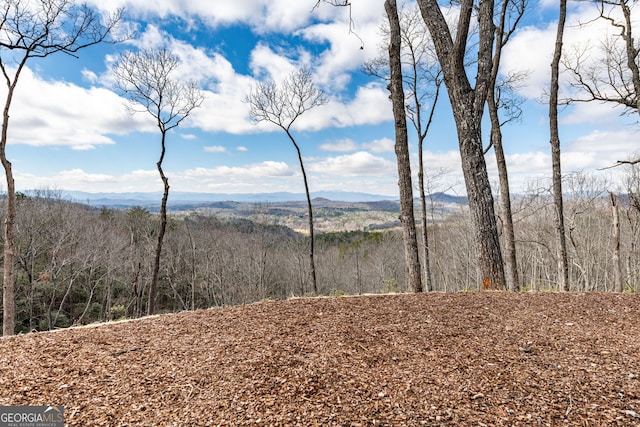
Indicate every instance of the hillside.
{"type": "Point", "coordinates": [333, 211]}
{"type": "Point", "coordinates": [466, 359]}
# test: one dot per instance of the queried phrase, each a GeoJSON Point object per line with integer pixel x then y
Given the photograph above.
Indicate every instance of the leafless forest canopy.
{"type": "Point", "coordinates": [78, 265]}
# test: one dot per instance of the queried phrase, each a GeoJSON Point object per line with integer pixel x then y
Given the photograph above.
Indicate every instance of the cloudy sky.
{"type": "Point", "coordinates": [70, 130]}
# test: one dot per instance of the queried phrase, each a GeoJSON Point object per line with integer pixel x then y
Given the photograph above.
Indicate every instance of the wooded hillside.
{"type": "Point", "coordinates": [78, 265]}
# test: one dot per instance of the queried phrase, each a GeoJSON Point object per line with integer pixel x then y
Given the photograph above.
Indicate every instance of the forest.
{"type": "Point", "coordinates": [78, 264]}
{"type": "Point", "coordinates": [65, 263]}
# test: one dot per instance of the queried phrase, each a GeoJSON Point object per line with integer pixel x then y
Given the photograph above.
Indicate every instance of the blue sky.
{"type": "Point", "coordinates": [70, 130]}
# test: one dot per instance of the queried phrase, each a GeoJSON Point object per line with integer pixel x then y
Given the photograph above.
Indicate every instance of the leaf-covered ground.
{"type": "Point", "coordinates": [466, 359]}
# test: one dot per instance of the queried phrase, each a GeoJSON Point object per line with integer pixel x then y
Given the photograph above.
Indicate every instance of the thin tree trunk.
{"type": "Point", "coordinates": [513, 282]}
{"type": "Point", "coordinates": [505, 198]}
{"type": "Point", "coordinates": [563, 265]}
{"type": "Point", "coordinates": [194, 274]}
{"type": "Point", "coordinates": [8, 292]}
{"type": "Point", "coordinates": [617, 260]}
{"type": "Point", "coordinates": [428, 277]}
{"type": "Point", "coordinates": [312, 263]}
{"type": "Point", "coordinates": [429, 284]}
{"type": "Point", "coordinates": [153, 290]}
{"type": "Point", "coordinates": [137, 291]}
{"type": "Point", "coordinates": [402, 151]}
{"type": "Point", "coordinates": [632, 51]}
{"type": "Point", "coordinates": [87, 304]}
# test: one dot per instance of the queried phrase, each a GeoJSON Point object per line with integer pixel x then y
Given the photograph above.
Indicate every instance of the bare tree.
{"type": "Point", "coordinates": [561, 258]}
{"type": "Point", "coordinates": [407, 219]}
{"type": "Point", "coordinates": [148, 79]}
{"type": "Point", "coordinates": [422, 77]}
{"type": "Point", "coordinates": [282, 104]}
{"type": "Point", "coordinates": [402, 145]}
{"type": "Point", "coordinates": [36, 29]}
{"type": "Point", "coordinates": [511, 12]}
{"type": "Point", "coordinates": [468, 105]}
{"type": "Point", "coordinates": [613, 76]}
{"type": "Point", "coordinates": [617, 260]}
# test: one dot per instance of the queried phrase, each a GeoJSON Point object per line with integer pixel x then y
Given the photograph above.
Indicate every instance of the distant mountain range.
{"type": "Point", "coordinates": [186, 200]}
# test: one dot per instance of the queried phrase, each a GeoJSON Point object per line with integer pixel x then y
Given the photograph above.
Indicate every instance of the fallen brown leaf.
{"type": "Point", "coordinates": [466, 359]}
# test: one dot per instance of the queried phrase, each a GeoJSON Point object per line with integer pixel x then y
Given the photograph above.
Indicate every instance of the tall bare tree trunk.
{"type": "Point", "coordinates": [428, 277]}
{"type": "Point", "coordinates": [481, 205]}
{"type": "Point", "coordinates": [511, 263]}
{"type": "Point", "coordinates": [468, 106]}
{"type": "Point", "coordinates": [153, 290]}
{"type": "Point", "coordinates": [312, 263]}
{"type": "Point", "coordinates": [407, 218]}
{"type": "Point", "coordinates": [617, 260]}
{"type": "Point", "coordinates": [631, 50]}
{"type": "Point", "coordinates": [563, 265]}
{"type": "Point", "coordinates": [282, 105]}
{"type": "Point", "coordinates": [8, 292]}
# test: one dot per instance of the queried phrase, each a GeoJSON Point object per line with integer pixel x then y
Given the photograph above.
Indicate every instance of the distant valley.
{"type": "Point", "coordinates": [333, 211]}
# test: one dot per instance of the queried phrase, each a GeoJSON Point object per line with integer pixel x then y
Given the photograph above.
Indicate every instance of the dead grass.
{"type": "Point", "coordinates": [466, 359]}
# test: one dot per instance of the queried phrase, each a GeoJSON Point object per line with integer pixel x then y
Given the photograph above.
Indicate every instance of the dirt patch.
{"type": "Point", "coordinates": [466, 359]}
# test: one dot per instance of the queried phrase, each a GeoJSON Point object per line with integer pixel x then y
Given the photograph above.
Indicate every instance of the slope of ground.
{"type": "Point", "coordinates": [468, 359]}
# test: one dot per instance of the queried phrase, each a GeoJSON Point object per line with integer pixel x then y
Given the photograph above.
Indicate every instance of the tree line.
{"type": "Point", "coordinates": [77, 264]}
{"type": "Point", "coordinates": [428, 49]}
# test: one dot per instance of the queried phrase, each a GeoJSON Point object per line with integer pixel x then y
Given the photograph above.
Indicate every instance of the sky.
{"type": "Point", "coordinates": [70, 128]}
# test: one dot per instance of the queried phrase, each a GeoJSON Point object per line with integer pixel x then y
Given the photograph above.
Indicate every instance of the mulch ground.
{"type": "Point", "coordinates": [465, 359]}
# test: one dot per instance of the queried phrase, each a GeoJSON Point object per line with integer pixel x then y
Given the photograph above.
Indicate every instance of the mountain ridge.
{"type": "Point", "coordinates": [186, 199]}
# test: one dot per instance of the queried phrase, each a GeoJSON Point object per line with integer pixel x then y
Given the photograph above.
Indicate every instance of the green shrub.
{"type": "Point", "coordinates": [117, 312]}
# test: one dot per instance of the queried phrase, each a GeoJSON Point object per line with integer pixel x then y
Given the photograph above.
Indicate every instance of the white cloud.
{"type": "Point", "coordinates": [268, 64]}
{"type": "Point", "coordinates": [591, 113]}
{"type": "Point", "coordinates": [225, 89]}
{"type": "Point", "coordinates": [345, 144]}
{"type": "Point", "coordinates": [223, 108]}
{"type": "Point", "coordinates": [370, 105]}
{"type": "Point", "coordinates": [263, 176]}
{"type": "Point", "coordinates": [600, 148]}
{"type": "Point", "coordinates": [152, 38]}
{"type": "Point", "coordinates": [591, 153]}
{"type": "Point", "coordinates": [242, 148]}
{"type": "Point", "coordinates": [63, 114]}
{"type": "Point", "coordinates": [531, 48]}
{"type": "Point", "coordinates": [346, 51]}
{"type": "Point", "coordinates": [443, 161]}
{"type": "Point", "coordinates": [262, 15]}
{"type": "Point", "coordinates": [90, 76]}
{"type": "Point", "coordinates": [361, 163]}
{"type": "Point", "coordinates": [263, 169]}
{"type": "Point", "coordinates": [214, 149]}
{"type": "Point", "coordinates": [72, 179]}
{"type": "Point", "coordinates": [383, 145]}
{"type": "Point", "coordinates": [78, 175]}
